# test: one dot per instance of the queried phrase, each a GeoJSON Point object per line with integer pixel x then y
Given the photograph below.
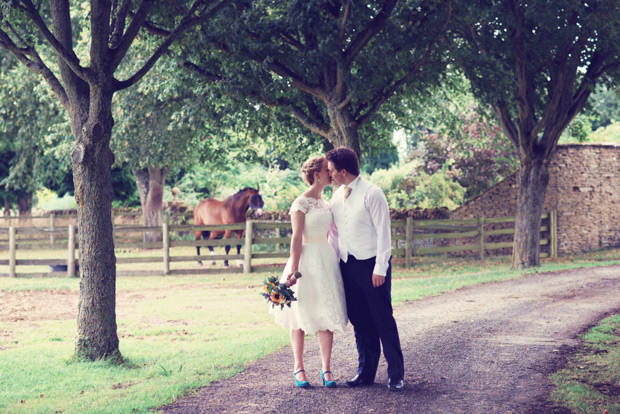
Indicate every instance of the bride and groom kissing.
{"type": "Point", "coordinates": [343, 251]}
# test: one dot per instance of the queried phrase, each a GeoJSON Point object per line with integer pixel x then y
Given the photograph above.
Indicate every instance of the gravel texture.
{"type": "Point", "coordinates": [482, 349]}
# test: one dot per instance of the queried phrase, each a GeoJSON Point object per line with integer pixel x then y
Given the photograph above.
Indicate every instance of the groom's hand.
{"type": "Point", "coordinates": [377, 280]}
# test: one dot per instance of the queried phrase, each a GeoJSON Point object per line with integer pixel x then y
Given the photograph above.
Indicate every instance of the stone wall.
{"type": "Point", "coordinates": [584, 188]}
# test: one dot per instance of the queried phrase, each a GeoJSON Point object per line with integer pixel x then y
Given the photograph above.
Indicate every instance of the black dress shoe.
{"type": "Point", "coordinates": [358, 381]}
{"type": "Point", "coordinates": [396, 385]}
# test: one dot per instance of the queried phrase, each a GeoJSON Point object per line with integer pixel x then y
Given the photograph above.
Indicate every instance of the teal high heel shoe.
{"type": "Point", "coordinates": [300, 384]}
{"type": "Point", "coordinates": [328, 384]}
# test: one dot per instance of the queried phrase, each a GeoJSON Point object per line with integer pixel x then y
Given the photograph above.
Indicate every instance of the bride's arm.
{"type": "Point", "coordinates": [297, 222]}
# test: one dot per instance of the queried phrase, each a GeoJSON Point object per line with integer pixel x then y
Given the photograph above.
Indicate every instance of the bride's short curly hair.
{"type": "Point", "coordinates": [311, 166]}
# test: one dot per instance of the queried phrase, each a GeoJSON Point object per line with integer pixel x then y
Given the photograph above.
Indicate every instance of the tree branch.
{"type": "Point", "coordinates": [280, 69]}
{"type": "Point", "coordinates": [560, 66]}
{"type": "Point", "coordinates": [119, 17]}
{"type": "Point", "coordinates": [375, 25]}
{"type": "Point", "coordinates": [343, 26]}
{"type": "Point", "coordinates": [292, 41]}
{"type": "Point", "coordinates": [152, 29]}
{"type": "Point", "coordinates": [383, 96]}
{"type": "Point", "coordinates": [36, 65]}
{"type": "Point", "coordinates": [344, 103]}
{"type": "Point", "coordinates": [608, 68]}
{"type": "Point", "coordinates": [315, 125]}
{"type": "Point", "coordinates": [130, 34]}
{"type": "Point", "coordinates": [314, 111]}
{"type": "Point", "coordinates": [277, 67]}
{"type": "Point", "coordinates": [556, 120]}
{"type": "Point", "coordinates": [509, 128]}
{"type": "Point", "coordinates": [524, 93]}
{"type": "Point", "coordinates": [187, 22]}
{"type": "Point", "coordinates": [559, 104]}
{"type": "Point", "coordinates": [208, 76]}
{"type": "Point", "coordinates": [67, 55]}
{"type": "Point", "coordinates": [99, 35]}
{"type": "Point", "coordinates": [318, 128]}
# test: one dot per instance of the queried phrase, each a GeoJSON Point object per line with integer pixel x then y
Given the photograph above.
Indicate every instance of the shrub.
{"type": "Point", "coordinates": [408, 185]}
{"type": "Point", "coordinates": [478, 156]}
{"type": "Point", "coordinates": [608, 134]}
{"type": "Point", "coordinates": [278, 187]}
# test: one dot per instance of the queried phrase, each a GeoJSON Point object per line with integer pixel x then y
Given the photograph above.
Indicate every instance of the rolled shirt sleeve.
{"type": "Point", "coordinates": [377, 206]}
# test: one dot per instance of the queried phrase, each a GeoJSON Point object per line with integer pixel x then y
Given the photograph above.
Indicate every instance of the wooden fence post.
{"type": "Point", "coordinates": [481, 236]}
{"type": "Point", "coordinates": [52, 228]}
{"type": "Point", "coordinates": [553, 233]}
{"type": "Point", "coordinates": [71, 251]}
{"type": "Point", "coordinates": [12, 246]}
{"type": "Point", "coordinates": [408, 238]}
{"type": "Point", "coordinates": [166, 246]}
{"type": "Point", "coordinates": [247, 259]}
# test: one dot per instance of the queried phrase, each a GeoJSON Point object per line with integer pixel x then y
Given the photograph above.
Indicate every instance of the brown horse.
{"type": "Point", "coordinates": [232, 210]}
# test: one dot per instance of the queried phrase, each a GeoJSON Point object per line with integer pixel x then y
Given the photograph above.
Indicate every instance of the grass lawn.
{"type": "Point", "coordinates": [590, 383]}
{"type": "Point", "coordinates": [177, 333]}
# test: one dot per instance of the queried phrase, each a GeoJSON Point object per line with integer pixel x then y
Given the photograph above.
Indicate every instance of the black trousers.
{"type": "Point", "coordinates": [370, 312]}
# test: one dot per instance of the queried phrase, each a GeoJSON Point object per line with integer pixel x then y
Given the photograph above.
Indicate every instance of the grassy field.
{"type": "Point", "coordinates": [178, 333]}
{"type": "Point", "coordinates": [591, 381]}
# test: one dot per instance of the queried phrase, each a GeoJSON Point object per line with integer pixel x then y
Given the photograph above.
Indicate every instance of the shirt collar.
{"type": "Point", "coordinates": [354, 183]}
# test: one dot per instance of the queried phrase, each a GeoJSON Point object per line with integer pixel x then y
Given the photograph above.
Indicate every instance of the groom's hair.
{"type": "Point", "coordinates": [344, 159]}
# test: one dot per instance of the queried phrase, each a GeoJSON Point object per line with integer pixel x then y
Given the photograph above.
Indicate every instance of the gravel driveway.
{"type": "Point", "coordinates": [482, 349]}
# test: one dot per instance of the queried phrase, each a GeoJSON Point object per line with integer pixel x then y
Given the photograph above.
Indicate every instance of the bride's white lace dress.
{"type": "Point", "coordinates": [320, 297]}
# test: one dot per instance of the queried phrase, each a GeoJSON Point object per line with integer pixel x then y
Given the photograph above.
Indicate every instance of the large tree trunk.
{"type": "Point", "coordinates": [343, 129]}
{"type": "Point", "coordinates": [7, 207]}
{"type": "Point", "coordinates": [150, 184]}
{"type": "Point", "coordinates": [154, 201]}
{"type": "Point", "coordinates": [533, 179]}
{"type": "Point", "coordinates": [24, 204]}
{"type": "Point", "coordinates": [142, 182]}
{"type": "Point", "coordinates": [92, 161]}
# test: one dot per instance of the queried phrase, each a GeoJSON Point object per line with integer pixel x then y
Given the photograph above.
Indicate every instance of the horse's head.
{"type": "Point", "coordinates": [256, 202]}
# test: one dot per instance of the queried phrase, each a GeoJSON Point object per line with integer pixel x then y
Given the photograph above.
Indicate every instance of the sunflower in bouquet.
{"type": "Point", "coordinates": [279, 294]}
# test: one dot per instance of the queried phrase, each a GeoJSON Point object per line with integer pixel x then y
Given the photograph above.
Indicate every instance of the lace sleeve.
{"type": "Point", "coordinates": [300, 204]}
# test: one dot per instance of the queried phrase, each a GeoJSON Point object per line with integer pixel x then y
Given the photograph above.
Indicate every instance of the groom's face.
{"type": "Point", "coordinates": [336, 176]}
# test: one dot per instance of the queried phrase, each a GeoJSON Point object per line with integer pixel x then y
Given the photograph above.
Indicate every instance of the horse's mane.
{"type": "Point", "coordinates": [239, 194]}
{"type": "Point", "coordinates": [246, 189]}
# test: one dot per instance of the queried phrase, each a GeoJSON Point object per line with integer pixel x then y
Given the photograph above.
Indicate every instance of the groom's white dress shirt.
{"type": "Point", "coordinates": [362, 224]}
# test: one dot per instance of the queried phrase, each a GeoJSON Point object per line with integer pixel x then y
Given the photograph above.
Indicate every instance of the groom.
{"type": "Point", "coordinates": [362, 221]}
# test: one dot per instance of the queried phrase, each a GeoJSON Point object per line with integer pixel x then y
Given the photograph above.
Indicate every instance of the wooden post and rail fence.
{"type": "Point", "coordinates": [410, 238]}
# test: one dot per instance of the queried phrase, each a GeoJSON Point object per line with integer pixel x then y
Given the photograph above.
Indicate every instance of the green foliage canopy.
{"type": "Point", "coordinates": [537, 62]}
{"type": "Point", "coordinates": [330, 65]}
{"type": "Point", "coordinates": [32, 124]}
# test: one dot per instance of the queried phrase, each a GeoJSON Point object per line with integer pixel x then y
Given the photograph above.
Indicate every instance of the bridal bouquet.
{"type": "Point", "coordinates": [279, 294]}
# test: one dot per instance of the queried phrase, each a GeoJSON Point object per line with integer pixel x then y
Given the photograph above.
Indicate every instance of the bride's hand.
{"type": "Point", "coordinates": [290, 280]}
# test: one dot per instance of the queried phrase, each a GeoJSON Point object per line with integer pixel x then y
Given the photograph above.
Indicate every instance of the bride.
{"type": "Point", "coordinates": [320, 304]}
